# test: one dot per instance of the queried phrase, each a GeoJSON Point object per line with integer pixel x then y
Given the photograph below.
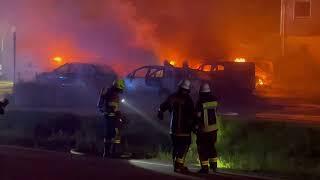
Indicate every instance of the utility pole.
{"type": "Point", "coordinates": [14, 53]}
{"type": "Point", "coordinates": [1, 54]}
{"type": "Point", "coordinates": [283, 29]}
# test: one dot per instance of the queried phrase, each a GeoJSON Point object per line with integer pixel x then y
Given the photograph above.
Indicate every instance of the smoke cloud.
{"type": "Point", "coordinates": [130, 33]}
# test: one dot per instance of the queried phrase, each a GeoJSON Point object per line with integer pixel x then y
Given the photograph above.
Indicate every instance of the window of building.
{"type": "Point", "coordinates": [302, 9]}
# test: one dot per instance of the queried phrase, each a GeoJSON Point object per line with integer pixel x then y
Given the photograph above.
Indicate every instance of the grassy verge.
{"type": "Point", "coordinates": [242, 145]}
{"type": "Point", "coordinates": [264, 147]}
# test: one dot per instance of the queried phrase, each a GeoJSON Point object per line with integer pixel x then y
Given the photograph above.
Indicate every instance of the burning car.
{"type": "Point", "coordinates": [231, 76]}
{"type": "Point", "coordinates": [163, 80]}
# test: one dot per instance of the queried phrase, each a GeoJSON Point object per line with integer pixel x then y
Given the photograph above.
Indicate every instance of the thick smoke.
{"type": "Point", "coordinates": [78, 30]}
{"type": "Point", "coordinates": [130, 33]}
{"type": "Point", "coordinates": [207, 30]}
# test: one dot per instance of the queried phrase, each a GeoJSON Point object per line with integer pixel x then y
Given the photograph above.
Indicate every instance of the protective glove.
{"type": "Point", "coordinates": [160, 115]}
{"type": "Point", "coordinates": [195, 129]}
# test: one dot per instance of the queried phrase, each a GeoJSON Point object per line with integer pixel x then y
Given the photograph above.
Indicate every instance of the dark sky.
{"type": "Point", "coordinates": [136, 32]}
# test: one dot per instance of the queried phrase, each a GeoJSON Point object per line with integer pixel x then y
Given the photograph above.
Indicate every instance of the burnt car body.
{"type": "Point", "coordinates": [223, 75]}
{"type": "Point", "coordinates": [149, 85]}
{"type": "Point", "coordinates": [78, 75]}
{"type": "Point", "coordinates": [70, 85]}
{"type": "Point", "coordinates": [231, 76]}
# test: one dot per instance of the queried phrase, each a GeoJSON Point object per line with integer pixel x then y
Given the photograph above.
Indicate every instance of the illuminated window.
{"type": "Point", "coordinates": [302, 9]}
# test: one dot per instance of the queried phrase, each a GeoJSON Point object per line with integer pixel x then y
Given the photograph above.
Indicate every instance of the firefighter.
{"type": "Point", "coordinates": [3, 105]}
{"type": "Point", "coordinates": [181, 108]}
{"type": "Point", "coordinates": [108, 104]}
{"type": "Point", "coordinates": [206, 128]}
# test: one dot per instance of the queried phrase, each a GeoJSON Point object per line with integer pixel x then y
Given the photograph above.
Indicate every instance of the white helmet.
{"type": "Point", "coordinates": [185, 84]}
{"type": "Point", "coordinates": [205, 88]}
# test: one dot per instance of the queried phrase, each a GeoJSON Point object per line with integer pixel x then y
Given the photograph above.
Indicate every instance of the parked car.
{"type": "Point", "coordinates": [78, 75]}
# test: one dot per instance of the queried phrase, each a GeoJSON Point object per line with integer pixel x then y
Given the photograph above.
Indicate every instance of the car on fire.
{"type": "Point", "coordinates": [148, 85]}
{"type": "Point", "coordinates": [231, 76]}
{"type": "Point", "coordinates": [78, 75]}
{"type": "Point", "coordinates": [162, 80]}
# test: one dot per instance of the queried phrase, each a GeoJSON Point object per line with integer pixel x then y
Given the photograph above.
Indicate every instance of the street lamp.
{"type": "Point", "coordinates": [14, 32]}
{"type": "Point", "coordinates": [283, 31]}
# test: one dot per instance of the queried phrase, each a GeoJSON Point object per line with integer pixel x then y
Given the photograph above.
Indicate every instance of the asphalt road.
{"type": "Point", "coordinates": [289, 107]}
{"type": "Point", "coordinates": [28, 164]}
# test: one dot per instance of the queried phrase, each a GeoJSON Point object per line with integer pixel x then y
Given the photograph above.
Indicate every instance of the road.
{"type": "Point", "coordinates": [288, 106]}
{"type": "Point", "coordinates": [28, 164]}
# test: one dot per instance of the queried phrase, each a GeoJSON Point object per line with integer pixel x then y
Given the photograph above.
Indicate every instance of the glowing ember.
{"type": "Point", "coordinates": [173, 63]}
{"type": "Point", "coordinates": [57, 59]}
{"type": "Point", "coordinates": [240, 60]}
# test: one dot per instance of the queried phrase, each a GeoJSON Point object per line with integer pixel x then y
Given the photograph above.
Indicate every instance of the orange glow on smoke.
{"type": "Point", "coordinates": [240, 60]}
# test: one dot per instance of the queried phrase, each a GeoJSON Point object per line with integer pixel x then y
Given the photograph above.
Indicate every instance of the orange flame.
{"type": "Point", "coordinates": [260, 82]}
{"type": "Point", "coordinates": [173, 63]}
{"type": "Point", "coordinates": [240, 60]}
{"type": "Point", "coordinates": [58, 59]}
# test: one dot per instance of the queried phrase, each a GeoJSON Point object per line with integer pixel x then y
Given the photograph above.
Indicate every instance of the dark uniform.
{"type": "Point", "coordinates": [181, 108]}
{"type": "Point", "coordinates": [207, 130]}
{"type": "Point", "coordinates": [109, 105]}
{"type": "Point", "coordinates": [3, 105]}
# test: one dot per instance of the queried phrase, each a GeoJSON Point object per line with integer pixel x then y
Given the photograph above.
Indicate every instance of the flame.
{"type": "Point", "coordinates": [260, 82]}
{"type": "Point", "coordinates": [58, 59]}
{"type": "Point", "coordinates": [207, 68]}
{"type": "Point", "coordinates": [173, 63]}
{"type": "Point", "coordinates": [240, 60]}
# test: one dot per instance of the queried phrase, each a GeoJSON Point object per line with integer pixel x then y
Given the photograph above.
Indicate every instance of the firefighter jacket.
{"type": "Point", "coordinates": [181, 110]}
{"type": "Point", "coordinates": [206, 113]}
{"type": "Point", "coordinates": [109, 102]}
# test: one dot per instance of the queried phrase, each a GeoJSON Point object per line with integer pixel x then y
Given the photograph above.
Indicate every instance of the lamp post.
{"type": "Point", "coordinates": [283, 30]}
{"type": "Point", "coordinates": [14, 52]}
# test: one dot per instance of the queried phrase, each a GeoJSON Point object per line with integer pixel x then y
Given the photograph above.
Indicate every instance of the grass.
{"type": "Point", "coordinates": [273, 147]}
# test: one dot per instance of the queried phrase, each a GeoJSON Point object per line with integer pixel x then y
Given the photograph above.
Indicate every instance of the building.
{"type": "Point", "coordinates": [300, 26]}
{"type": "Point", "coordinates": [300, 32]}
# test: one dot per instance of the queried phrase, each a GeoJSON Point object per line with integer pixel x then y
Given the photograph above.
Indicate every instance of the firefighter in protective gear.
{"type": "Point", "coordinates": [108, 104]}
{"type": "Point", "coordinates": [181, 108]}
{"type": "Point", "coordinates": [3, 105]}
{"type": "Point", "coordinates": [206, 128]}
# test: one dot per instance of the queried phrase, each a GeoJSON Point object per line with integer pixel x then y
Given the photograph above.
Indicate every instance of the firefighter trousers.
{"type": "Point", "coordinates": [180, 147]}
{"type": "Point", "coordinates": [111, 136]}
{"type": "Point", "coordinates": [206, 149]}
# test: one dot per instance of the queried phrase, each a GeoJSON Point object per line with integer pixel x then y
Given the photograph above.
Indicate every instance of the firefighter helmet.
{"type": "Point", "coordinates": [185, 84]}
{"type": "Point", "coordinates": [119, 84]}
{"type": "Point", "coordinates": [205, 88]}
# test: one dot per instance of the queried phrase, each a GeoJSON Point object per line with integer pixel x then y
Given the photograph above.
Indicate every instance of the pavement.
{"type": "Point", "coordinates": [30, 164]}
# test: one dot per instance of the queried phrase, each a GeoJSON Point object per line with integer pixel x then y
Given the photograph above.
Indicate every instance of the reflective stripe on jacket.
{"type": "Point", "coordinates": [206, 113]}
{"type": "Point", "coordinates": [207, 126]}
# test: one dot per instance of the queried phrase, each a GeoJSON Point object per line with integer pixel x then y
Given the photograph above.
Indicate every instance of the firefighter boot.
{"type": "Point", "coordinates": [204, 170]}
{"type": "Point", "coordinates": [106, 150]}
{"type": "Point", "coordinates": [204, 167]}
{"type": "Point", "coordinates": [213, 166]}
{"type": "Point", "coordinates": [179, 167]}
